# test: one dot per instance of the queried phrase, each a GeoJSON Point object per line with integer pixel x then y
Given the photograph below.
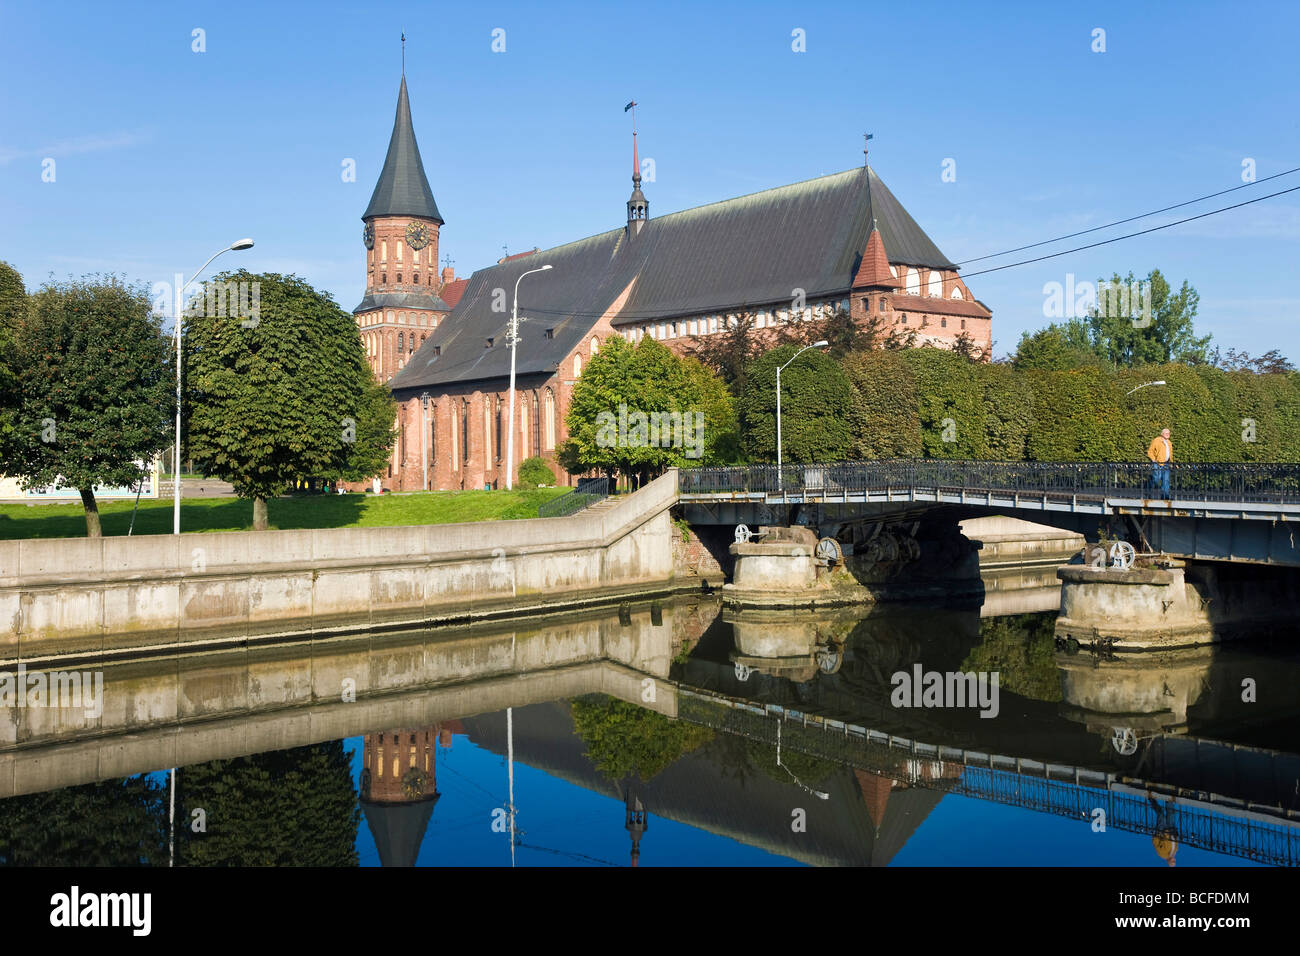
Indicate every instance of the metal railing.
{"type": "Point", "coordinates": [586, 494]}
{"type": "Point", "coordinates": [1276, 483]}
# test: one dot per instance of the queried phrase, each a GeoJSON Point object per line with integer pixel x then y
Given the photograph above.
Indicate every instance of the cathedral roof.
{"type": "Point", "coordinates": [402, 300]}
{"type": "Point", "coordinates": [753, 251]}
{"type": "Point", "coordinates": [403, 189]}
{"type": "Point", "coordinates": [398, 828]}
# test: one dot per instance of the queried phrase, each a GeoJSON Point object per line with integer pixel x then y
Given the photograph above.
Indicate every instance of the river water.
{"type": "Point", "coordinates": [673, 734]}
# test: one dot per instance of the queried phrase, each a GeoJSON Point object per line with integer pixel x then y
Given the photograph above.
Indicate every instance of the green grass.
{"type": "Point", "coordinates": [308, 511]}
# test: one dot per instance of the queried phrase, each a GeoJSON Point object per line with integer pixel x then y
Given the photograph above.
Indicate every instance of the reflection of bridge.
{"type": "Point", "coordinates": [1202, 818]}
{"type": "Point", "coordinates": [1234, 512]}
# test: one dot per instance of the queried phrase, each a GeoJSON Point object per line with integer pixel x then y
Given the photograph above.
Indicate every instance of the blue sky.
{"type": "Point", "coordinates": [163, 155]}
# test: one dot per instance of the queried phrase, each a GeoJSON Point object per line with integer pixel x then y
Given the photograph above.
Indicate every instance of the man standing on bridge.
{"type": "Point", "coordinates": [1161, 453]}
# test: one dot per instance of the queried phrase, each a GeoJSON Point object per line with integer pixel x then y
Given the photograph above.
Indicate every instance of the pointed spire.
{"type": "Point", "coordinates": [638, 209]}
{"type": "Point", "coordinates": [403, 189]}
{"type": "Point", "coordinates": [873, 273]}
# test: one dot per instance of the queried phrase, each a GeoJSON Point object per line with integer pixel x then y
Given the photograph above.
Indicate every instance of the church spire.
{"type": "Point", "coordinates": [638, 209]}
{"type": "Point", "coordinates": [403, 189]}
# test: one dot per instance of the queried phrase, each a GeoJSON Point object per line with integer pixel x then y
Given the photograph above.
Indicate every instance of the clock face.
{"type": "Point", "coordinates": [417, 235]}
{"type": "Point", "coordinates": [368, 236]}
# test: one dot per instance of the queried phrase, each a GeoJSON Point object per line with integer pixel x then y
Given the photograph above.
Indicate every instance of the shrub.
{"type": "Point", "coordinates": [535, 471]}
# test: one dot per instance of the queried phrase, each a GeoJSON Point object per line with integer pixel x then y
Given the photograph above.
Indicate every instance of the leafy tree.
{"type": "Point", "coordinates": [639, 409]}
{"type": "Point", "coordinates": [624, 740]}
{"type": "Point", "coordinates": [1022, 648]}
{"type": "Point", "coordinates": [1079, 415]}
{"type": "Point", "coordinates": [1272, 361]}
{"type": "Point", "coordinates": [535, 471]}
{"type": "Point", "coordinates": [111, 823]}
{"type": "Point", "coordinates": [884, 418]}
{"type": "Point", "coordinates": [13, 309]}
{"type": "Point", "coordinates": [1008, 401]}
{"type": "Point", "coordinates": [94, 389]}
{"type": "Point", "coordinates": [376, 430]}
{"type": "Point", "coordinates": [951, 403]}
{"type": "Point", "coordinates": [294, 807]}
{"type": "Point", "coordinates": [282, 395]}
{"type": "Point", "coordinates": [1057, 347]}
{"type": "Point", "coordinates": [816, 401]}
{"type": "Point", "coordinates": [1126, 334]}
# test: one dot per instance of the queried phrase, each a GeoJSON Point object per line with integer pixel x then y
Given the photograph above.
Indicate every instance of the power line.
{"type": "Point", "coordinates": [1141, 232]}
{"type": "Point", "coordinates": [1120, 222]}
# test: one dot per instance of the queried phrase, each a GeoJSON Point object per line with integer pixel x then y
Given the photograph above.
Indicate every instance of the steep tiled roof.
{"type": "Point", "coordinates": [403, 189]}
{"type": "Point", "coordinates": [452, 292]}
{"type": "Point", "coordinates": [924, 303]}
{"type": "Point", "coordinates": [874, 272]}
{"type": "Point", "coordinates": [751, 251]}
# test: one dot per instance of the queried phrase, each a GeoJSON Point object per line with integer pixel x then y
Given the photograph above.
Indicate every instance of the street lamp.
{"type": "Point", "coordinates": [816, 345]}
{"type": "Point", "coordinates": [514, 341]}
{"type": "Point", "coordinates": [180, 308]}
{"type": "Point", "coordinates": [1143, 385]}
{"type": "Point", "coordinates": [424, 440]}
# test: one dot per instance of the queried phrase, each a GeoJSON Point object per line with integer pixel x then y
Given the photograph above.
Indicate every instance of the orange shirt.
{"type": "Point", "coordinates": [1161, 450]}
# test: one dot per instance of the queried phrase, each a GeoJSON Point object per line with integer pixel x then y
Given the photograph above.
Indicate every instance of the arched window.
{"type": "Point", "coordinates": [943, 323]}
{"type": "Point", "coordinates": [577, 365]}
{"type": "Point", "coordinates": [523, 428]}
{"type": "Point", "coordinates": [400, 340]}
{"type": "Point", "coordinates": [936, 283]}
{"type": "Point", "coordinates": [487, 432]}
{"type": "Point", "coordinates": [497, 403]}
{"type": "Point", "coordinates": [550, 419]}
{"type": "Point", "coordinates": [390, 315]}
{"type": "Point", "coordinates": [595, 345]}
{"type": "Point", "coordinates": [410, 344]}
{"type": "Point", "coordinates": [956, 293]}
{"type": "Point", "coordinates": [464, 428]}
{"type": "Point", "coordinates": [433, 432]}
{"type": "Point", "coordinates": [537, 424]}
{"type": "Point", "coordinates": [913, 282]}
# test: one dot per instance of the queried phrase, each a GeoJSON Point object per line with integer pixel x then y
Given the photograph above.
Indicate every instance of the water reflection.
{"type": "Point", "coordinates": [673, 733]}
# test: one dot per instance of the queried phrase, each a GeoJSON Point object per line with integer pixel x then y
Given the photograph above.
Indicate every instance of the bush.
{"type": "Point", "coordinates": [815, 404]}
{"type": "Point", "coordinates": [883, 415]}
{"type": "Point", "coordinates": [535, 471]}
{"type": "Point", "coordinates": [951, 403]}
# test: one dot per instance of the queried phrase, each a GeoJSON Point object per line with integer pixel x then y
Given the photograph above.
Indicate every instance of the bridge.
{"type": "Point", "coordinates": [1218, 511]}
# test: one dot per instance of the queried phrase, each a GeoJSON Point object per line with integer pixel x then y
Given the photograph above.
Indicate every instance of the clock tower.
{"type": "Point", "coordinates": [402, 304]}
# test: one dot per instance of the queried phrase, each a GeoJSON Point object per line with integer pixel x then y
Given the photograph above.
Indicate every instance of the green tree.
{"type": "Point", "coordinates": [294, 807]}
{"type": "Point", "coordinates": [376, 429]}
{"type": "Point", "coordinates": [1125, 332]}
{"type": "Point", "coordinates": [281, 395]}
{"type": "Point", "coordinates": [816, 401]}
{"type": "Point", "coordinates": [94, 389]}
{"type": "Point", "coordinates": [13, 309]}
{"type": "Point", "coordinates": [1008, 402]}
{"type": "Point", "coordinates": [640, 409]}
{"type": "Point", "coordinates": [951, 405]}
{"type": "Point", "coordinates": [535, 471]}
{"type": "Point", "coordinates": [111, 823]}
{"type": "Point", "coordinates": [1057, 347]}
{"type": "Point", "coordinates": [1079, 415]}
{"type": "Point", "coordinates": [884, 420]}
{"type": "Point", "coordinates": [624, 740]}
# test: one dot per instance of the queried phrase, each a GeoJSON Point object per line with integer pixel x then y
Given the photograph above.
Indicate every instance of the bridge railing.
{"type": "Point", "coordinates": [586, 494]}
{"type": "Point", "coordinates": [1201, 481]}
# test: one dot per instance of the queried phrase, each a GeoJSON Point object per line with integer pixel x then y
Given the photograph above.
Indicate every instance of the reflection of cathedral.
{"type": "Point", "coordinates": [399, 789]}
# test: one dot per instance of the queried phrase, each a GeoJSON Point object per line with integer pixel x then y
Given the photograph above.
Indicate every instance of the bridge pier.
{"type": "Point", "coordinates": [1172, 604]}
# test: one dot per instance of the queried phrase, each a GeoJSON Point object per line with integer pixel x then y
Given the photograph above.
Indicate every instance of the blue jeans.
{"type": "Point", "coordinates": [1160, 478]}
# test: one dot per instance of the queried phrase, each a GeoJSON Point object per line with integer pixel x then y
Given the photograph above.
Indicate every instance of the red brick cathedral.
{"type": "Point", "coordinates": [790, 254]}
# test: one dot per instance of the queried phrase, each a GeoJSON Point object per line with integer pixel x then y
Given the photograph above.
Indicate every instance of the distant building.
{"type": "Point", "coordinates": [790, 254]}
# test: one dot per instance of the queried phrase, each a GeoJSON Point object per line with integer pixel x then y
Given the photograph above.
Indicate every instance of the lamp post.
{"type": "Point", "coordinates": [1143, 385]}
{"type": "Point", "coordinates": [780, 480]}
{"type": "Point", "coordinates": [514, 341]}
{"type": "Point", "coordinates": [424, 440]}
{"type": "Point", "coordinates": [180, 308]}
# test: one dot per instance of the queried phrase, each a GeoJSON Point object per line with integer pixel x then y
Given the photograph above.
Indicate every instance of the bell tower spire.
{"type": "Point", "coordinates": [638, 209]}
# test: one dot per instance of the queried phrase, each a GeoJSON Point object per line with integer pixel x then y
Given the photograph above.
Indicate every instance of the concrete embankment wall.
{"type": "Point", "coordinates": [78, 596]}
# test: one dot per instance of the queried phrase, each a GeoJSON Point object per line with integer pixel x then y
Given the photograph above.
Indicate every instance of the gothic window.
{"type": "Point", "coordinates": [464, 428]}
{"type": "Point", "coordinates": [882, 303]}
{"type": "Point", "coordinates": [399, 277]}
{"type": "Point", "coordinates": [577, 365]}
{"type": "Point", "coordinates": [956, 293]}
{"type": "Point", "coordinates": [399, 252]}
{"type": "Point", "coordinates": [433, 432]}
{"type": "Point", "coordinates": [383, 278]}
{"type": "Point", "coordinates": [537, 425]}
{"type": "Point", "coordinates": [400, 340]}
{"type": "Point", "coordinates": [936, 284]}
{"type": "Point", "coordinates": [487, 432]}
{"type": "Point", "coordinates": [384, 251]}
{"type": "Point", "coordinates": [913, 282]}
{"type": "Point", "coordinates": [497, 403]}
{"type": "Point", "coordinates": [410, 345]}
{"type": "Point", "coordinates": [595, 345]}
{"type": "Point", "coordinates": [550, 419]}
{"type": "Point", "coordinates": [523, 428]}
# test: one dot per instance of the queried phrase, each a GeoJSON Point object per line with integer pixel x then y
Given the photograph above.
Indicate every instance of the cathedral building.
{"type": "Point", "coordinates": [790, 254]}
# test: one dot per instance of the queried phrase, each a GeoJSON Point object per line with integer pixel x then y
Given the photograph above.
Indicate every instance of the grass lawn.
{"type": "Point", "coordinates": [308, 511]}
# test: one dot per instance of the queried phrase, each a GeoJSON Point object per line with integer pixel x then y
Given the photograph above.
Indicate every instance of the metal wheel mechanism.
{"type": "Point", "coordinates": [743, 534]}
{"type": "Point", "coordinates": [1122, 555]}
{"type": "Point", "coordinates": [743, 670]}
{"type": "Point", "coordinates": [828, 549]}
{"type": "Point", "coordinates": [828, 660]}
{"type": "Point", "coordinates": [1124, 740]}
